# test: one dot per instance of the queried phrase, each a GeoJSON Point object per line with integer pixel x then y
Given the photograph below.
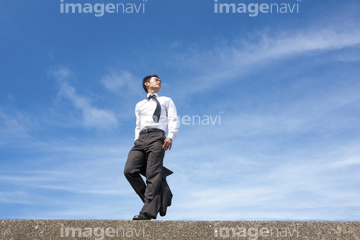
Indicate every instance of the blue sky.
{"type": "Point", "coordinates": [282, 90]}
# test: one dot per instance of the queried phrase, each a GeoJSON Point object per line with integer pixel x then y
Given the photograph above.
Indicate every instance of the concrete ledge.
{"type": "Point", "coordinates": [114, 229]}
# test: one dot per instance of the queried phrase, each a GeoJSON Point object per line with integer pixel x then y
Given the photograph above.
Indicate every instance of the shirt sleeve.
{"type": "Point", "coordinates": [138, 122]}
{"type": "Point", "coordinates": [173, 123]}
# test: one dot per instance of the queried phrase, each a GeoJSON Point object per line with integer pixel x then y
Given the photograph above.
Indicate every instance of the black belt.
{"type": "Point", "coordinates": [148, 130]}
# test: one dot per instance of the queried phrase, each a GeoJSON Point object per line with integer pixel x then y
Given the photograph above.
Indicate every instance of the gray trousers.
{"type": "Point", "coordinates": [147, 154]}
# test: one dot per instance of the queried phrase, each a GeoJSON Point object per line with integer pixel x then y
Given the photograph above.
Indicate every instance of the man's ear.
{"type": "Point", "coordinates": [147, 84]}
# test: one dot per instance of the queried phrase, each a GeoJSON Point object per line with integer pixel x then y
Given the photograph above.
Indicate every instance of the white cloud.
{"type": "Point", "coordinates": [60, 73]}
{"type": "Point", "coordinates": [235, 60]}
{"type": "Point", "coordinates": [14, 197]}
{"type": "Point", "coordinates": [9, 125]}
{"type": "Point", "coordinates": [93, 117]}
{"type": "Point", "coordinates": [15, 126]}
{"type": "Point", "coordinates": [123, 83]}
{"type": "Point", "coordinates": [347, 162]}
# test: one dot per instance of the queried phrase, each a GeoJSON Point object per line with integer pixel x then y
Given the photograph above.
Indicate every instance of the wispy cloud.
{"type": "Point", "coordinates": [123, 83]}
{"type": "Point", "coordinates": [235, 60]}
{"type": "Point", "coordinates": [15, 126]}
{"type": "Point", "coordinates": [347, 162]}
{"type": "Point", "coordinates": [10, 126]}
{"type": "Point", "coordinates": [93, 117]}
{"type": "Point", "coordinates": [14, 197]}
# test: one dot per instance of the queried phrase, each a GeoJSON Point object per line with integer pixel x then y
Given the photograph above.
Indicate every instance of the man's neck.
{"type": "Point", "coordinates": [150, 91]}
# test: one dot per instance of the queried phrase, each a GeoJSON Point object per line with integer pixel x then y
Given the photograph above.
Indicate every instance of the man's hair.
{"type": "Point", "coordinates": [147, 79]}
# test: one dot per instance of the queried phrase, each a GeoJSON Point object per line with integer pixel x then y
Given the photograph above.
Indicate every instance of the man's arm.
{"type": "Point", "coordinates": [173, 125]}
{"type": "Point", "coordinates": [138, 122]}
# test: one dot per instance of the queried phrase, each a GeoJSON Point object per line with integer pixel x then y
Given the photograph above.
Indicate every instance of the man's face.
{"type": "Point", "coordinates": [154, 85]}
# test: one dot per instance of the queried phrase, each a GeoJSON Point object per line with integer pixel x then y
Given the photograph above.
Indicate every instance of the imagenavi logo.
{"type": "Point", "coordinates": [100, 9]}
{"type": "Point", "coordinates": [254, 9]}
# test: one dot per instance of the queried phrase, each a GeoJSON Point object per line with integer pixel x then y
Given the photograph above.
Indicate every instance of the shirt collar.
{"type": "Point", "coordinates": [152, 94]}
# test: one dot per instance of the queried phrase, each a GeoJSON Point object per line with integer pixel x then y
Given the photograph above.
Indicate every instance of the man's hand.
{"type": "Point", "coordinates": [167, 144]}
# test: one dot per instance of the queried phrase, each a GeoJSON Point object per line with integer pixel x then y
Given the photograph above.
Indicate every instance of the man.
{"type": "Point", "coordinates": [155, 116]}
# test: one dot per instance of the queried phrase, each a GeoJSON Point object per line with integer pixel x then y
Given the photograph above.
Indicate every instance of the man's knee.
{"type": "Point", "coordinates": [129, 172]}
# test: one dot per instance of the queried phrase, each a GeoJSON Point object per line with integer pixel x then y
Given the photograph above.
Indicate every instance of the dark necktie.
{"type": "Point", "coordinates": [157, 112]}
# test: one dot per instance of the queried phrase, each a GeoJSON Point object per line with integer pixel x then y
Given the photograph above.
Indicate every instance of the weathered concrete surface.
{"type": "Point", "coordinates": [194, 230]}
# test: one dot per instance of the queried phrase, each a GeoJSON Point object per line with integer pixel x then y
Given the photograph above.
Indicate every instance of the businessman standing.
{"type": "Point", "coordinates": [156, 127]}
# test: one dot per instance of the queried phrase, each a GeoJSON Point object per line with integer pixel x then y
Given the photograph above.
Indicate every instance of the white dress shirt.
{"type": "Point", "coordinates": [168, 122]}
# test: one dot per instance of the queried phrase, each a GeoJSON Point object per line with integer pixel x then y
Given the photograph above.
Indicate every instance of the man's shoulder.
{"type": "Point", "coordinates": [165, 98]}
{"type": "Point", "coordinates": [141, 102]}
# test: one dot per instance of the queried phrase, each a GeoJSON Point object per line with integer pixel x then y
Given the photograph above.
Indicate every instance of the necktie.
{"type": "Point", "coordinates": [157, 112]}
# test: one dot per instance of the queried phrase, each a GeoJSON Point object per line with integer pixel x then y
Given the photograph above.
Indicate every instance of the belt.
{"type": "Point", "coordinates": [148, 130]}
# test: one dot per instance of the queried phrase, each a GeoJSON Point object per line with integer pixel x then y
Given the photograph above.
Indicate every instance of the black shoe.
{"type": "Point", "coordinates": [141, 216]}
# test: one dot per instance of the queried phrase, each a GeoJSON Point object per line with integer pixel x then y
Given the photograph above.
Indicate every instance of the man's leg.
{"type": "Point", "coordinates": [155, 156]}
{"type": "Point", "coordinates": [135, 162]}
